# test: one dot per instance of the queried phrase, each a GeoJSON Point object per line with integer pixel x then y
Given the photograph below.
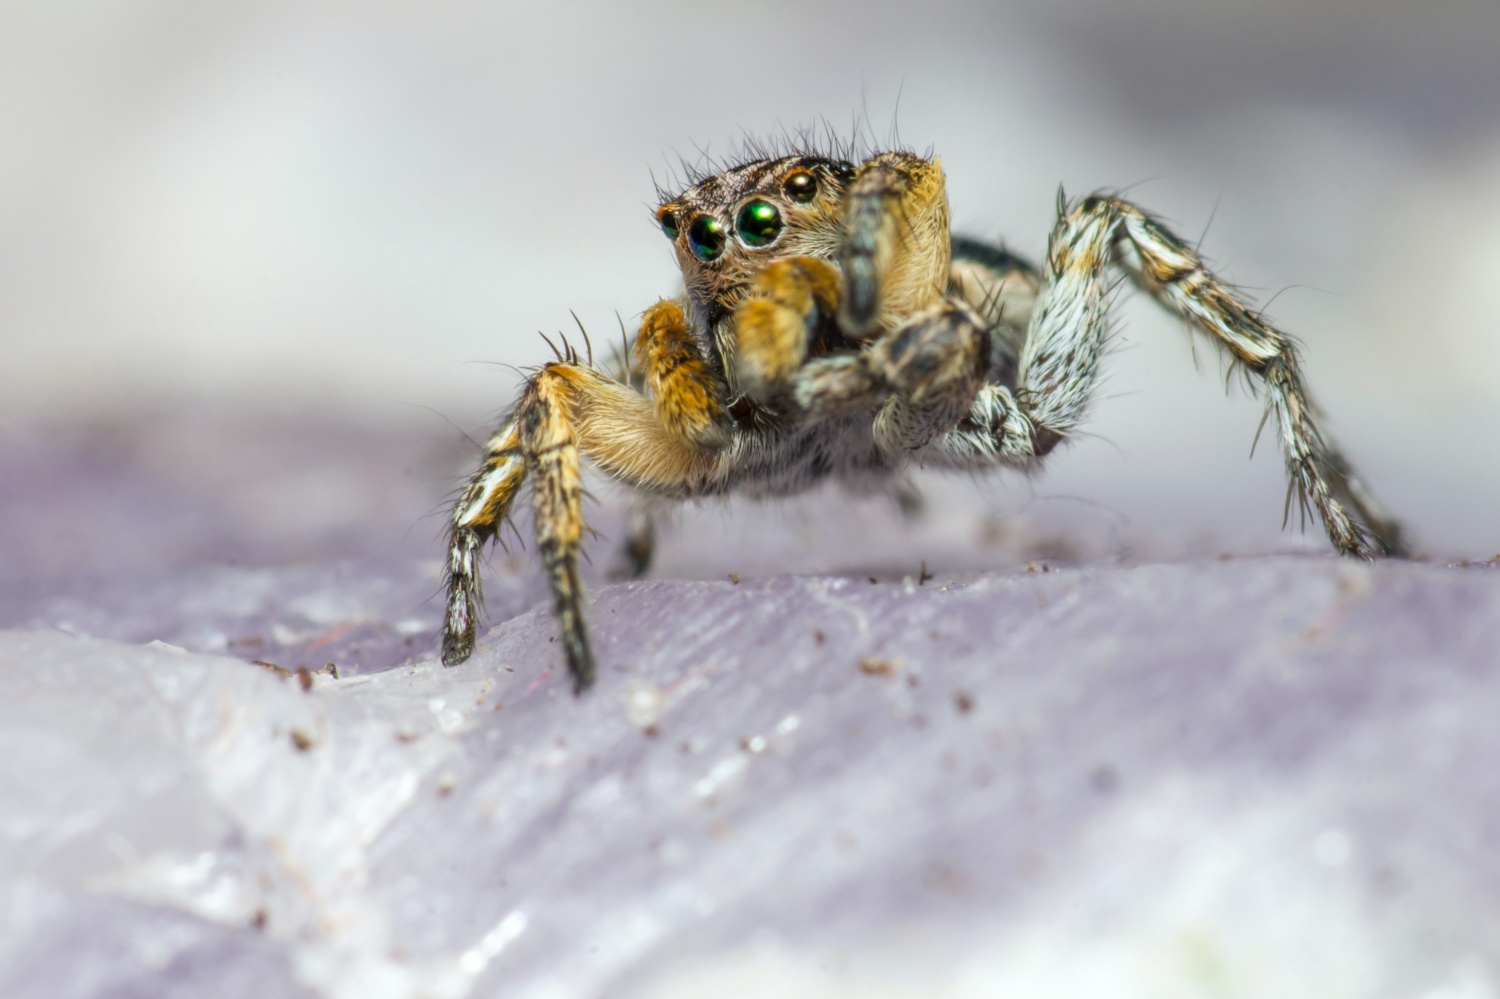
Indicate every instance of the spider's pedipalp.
{"type": "Point", "coordinates": [776, 320]}
{"type": "Point", "coordinates": [684, 387]}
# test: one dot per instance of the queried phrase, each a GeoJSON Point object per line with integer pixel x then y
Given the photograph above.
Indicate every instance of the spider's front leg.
{"type": "Point", "coordinates": [921, 356]}
{"type": "Point", "coordinates": [664, 444]}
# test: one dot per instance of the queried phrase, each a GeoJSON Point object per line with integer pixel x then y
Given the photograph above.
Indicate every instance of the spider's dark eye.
{"type": "Point", "coordinates": [706, 237]}
{"type": "Point", "coordinates": [668, 222]}
{"type": "Point", "coordinates": [843, 171]}
{"type": "Point", "coordinates": [801, 186]}
{"type": "Point", "coordinates": [759, 223]}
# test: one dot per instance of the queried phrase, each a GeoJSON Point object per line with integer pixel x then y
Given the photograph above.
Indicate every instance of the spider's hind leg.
{"type": "Point", "coordinates": [1173, 273]}
{"type": "Point", "coordinates": [1060, 359]}
{"type": "Point", "coordinates": [634, 557]}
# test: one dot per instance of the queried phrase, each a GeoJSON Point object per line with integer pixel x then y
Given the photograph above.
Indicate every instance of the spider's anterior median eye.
{"type": "Point", "coordinates": [801, 186]}
{"type": "Point", "coordinates": [759, 223]}
{"type": "Point", "coordinates": [706, 237]}
{"type": "Point", "coordinates": [668, 222]}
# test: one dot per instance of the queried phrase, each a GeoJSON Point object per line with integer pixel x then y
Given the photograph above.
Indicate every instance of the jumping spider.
{"type": "Point", "coordinates": [832, 327]}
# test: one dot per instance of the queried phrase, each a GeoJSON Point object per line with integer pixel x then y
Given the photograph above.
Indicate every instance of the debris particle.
{"type": "Point", "coordinates": [734, 578]}
{"type": "Point", "coordinates": [923, 576]}
{"type": "Point", "coordinates": [963, 702]}
{"type": "Point", "coordinates": [302, 741]}
{"type": "Point", "coordinates": [819, 637]}
{"type": "Point", "coordinates": [879, 667]}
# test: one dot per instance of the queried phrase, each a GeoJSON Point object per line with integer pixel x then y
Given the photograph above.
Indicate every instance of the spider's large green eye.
{"type": "Point", "coordinates": [668, 222]}
{"type": "Point", "coordinates": [759, 223]}
{"type": "Point", "coordinates": [706, 237]}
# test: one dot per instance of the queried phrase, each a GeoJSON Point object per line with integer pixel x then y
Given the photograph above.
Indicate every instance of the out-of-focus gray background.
{"type": "Point", "coordinates": [337, 213]}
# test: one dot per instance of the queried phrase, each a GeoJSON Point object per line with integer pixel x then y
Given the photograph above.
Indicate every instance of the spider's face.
{"type": "Point", "coordinates": [728, 227]}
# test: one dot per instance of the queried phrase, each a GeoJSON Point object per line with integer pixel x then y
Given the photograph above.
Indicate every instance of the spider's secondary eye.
{"type": "Point", "coordinates": [759, 223]}
{"type": "Point", "coordinates": [668, 222]}
{"type": "Point", "coordinates": [706, 237]}
{"type": "Point", "coordinates": [801, 186]}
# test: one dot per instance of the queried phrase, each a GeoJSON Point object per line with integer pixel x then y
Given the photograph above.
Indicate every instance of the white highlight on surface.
{"type": "Point", "coordinates": [723, 772]}
{"type": "Point", "coordinates": [644, 703]}
{"type": "Point", "coordinates": [474, 960]}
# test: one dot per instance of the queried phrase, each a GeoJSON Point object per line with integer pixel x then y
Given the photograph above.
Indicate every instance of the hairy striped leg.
{"type": "Point", "coordinates": [921, 378]}
{"type": "Point", "coordinates": [665, 444]}
{"type": "Point", "coordinates": [1060, 359]}
{"type": "Point", "coordinates": [1174, 274]}
{"type": "Point", "coordinates": [896, 248]}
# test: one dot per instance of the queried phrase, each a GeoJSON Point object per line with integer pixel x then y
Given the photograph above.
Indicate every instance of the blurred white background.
{"type": "Point", "coordinates": [276, 206]}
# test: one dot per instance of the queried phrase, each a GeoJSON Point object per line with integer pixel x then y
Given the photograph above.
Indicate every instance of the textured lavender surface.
{"type": "Point", "coordinates": [1244, 777]}
{"type": "Point", "coordinates": [1144, 766]}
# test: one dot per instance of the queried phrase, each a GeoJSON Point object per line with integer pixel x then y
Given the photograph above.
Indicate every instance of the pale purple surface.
{"type": "Point", "coordinates": [1237, 776]}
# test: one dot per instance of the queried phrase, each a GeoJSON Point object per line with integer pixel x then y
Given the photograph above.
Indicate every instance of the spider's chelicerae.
{"type": "Point", "coordinates": [831, 326]}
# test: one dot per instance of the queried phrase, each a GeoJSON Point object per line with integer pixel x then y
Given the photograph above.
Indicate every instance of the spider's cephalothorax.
{"type": "Point", "coordinates": [832, 327]}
